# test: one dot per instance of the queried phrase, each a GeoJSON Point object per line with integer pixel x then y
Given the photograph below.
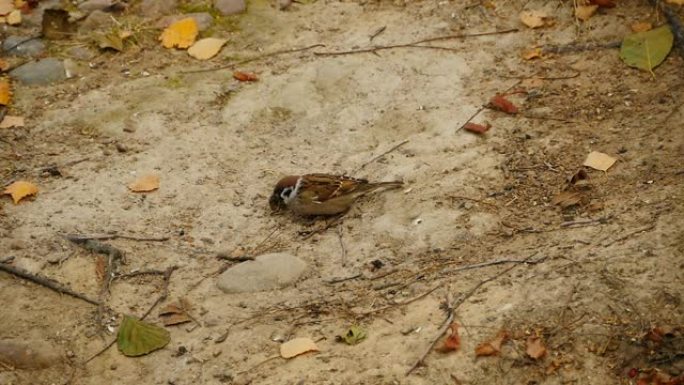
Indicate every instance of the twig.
{"type": "Point", "coordinates": [140, 272]}
{"type": "Point", "coordinates": [343, 279]}
{"type": "Point", "coordinates": [395, 147]}
{"type": "Point", "coordinates": [414, 44]}
{"type": "Point", "coordinates": [601, 220]}
{"type": "Point", "coordinates": [240, 258]}
{"type": "Point", "coordinates": [484, 106]}
{"type": "Point", "coordinates": [165, 293]}
{"type": "Point", "coordinates": [46, 282]}
{"type": "Point", "coordinates": [452, 307]}
{"type": "Point", "coordinates": [473, 199]}
{"type": "Point", "coordinates": [622, 238]}
{"type": "Point", "coordinates": [259, 57]}
{"type": "Point", "coordinates": [577, 47]}
{"type": "Point", "coordinates": [497, 262]}
{"type": "Point", "coordinates": [377, 32]}
{"type": "Point", "coordinates": [402, 303]}
{"type": "Point", "coordinates": [344, 249]}
{"type": "Point", "coordinates": [102, 237]}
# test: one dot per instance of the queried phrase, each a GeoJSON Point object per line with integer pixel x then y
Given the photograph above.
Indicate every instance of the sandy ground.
{"type": "Point", "coordinates": [594, 292]}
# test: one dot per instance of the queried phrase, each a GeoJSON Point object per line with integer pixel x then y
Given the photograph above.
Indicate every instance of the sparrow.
{"type": "Point", "coordinates": [322, 194]}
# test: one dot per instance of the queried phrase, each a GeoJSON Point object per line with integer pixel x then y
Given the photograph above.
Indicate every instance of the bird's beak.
{"type": "Point", "coordinates": [275, 202]}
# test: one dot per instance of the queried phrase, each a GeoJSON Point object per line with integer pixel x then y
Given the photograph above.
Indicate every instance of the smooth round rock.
{"type": "Point", "coordinates": [156, 8]}
{"type": "Point", "coordinates": [44, 71]}
{"type": "Point", "coordinates": [230, 7]}
{"type": "Point", "coordinates": [266, 272]}
{"type": "Point", "coordinates": [23, 46]}
{"type": "Point", "coordinates": [28, 355]}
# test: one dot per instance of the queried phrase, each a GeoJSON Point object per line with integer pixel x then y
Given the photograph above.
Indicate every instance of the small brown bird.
{"type": "Point", "coordinates": [322, 194]}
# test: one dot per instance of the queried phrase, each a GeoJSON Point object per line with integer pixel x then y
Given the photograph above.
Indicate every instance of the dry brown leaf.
{"type": "Point", "coordinates": [599, 161]}
{"type": "Point", "coordinates": [100, 263]}
{"type": "Point", "coordinates": [145, 183]}
{"type": "Point", "coordinates": [493, 347]}
{"type": "Point", "coordinates": [580, 175]}
{"type": "Point", "coordinates": [176, 313]}
{"type": "Point", "coordinates": [641, 26]}
{"type": "Point", "coordinates": [181, 34]}
{"type": "Point", "coordinates": [532, 53]}
{"type": "Point", "coordinates": [12, 121]}
{"type": "Point", "coordinates": [207, 48]}
{"type": "Point", "coordinates": [534, 18]}
{"type": "Point", "coordinates": [584, 12]}
{"type": "Point", "coordinates": [245, 76]}
{"type": "Point", "coordinates": [14, 17]}
{"type": "Point", "coordinates": [477, 128]}
{"type": "Point", "coordinates": [175, 319]}
{"type": "Point", "coordinates": [5, 92]}
{"type": "Point", "coordinates": [297, 346]}
{"type": "Point", "coordinates": [453, 340]}
{"type": "Point", "coordinates": [20, 189]}
{"type": "Point", "coordinates": [6, 6]}
{"type": "Point", "coordinates": [567, 199]}
{"type": "Point", "coordinates": [535, 347]}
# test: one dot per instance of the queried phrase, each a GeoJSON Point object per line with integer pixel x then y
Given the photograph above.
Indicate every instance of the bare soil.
{"type": "Point", "coordinates": [603, 285]}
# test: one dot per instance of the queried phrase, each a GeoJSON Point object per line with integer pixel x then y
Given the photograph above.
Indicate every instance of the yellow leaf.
{"type": "Point", "coordinates": [181, 34]}
{"type": "Point", "coordinates": [14, 17]}
{"type": "Point", "coordinates": [533, 18]}
{"type": "Point", "coordinates": [5, 92]}
{"type": "Point", "coordinates": [145, 183]}
{"type": "Point", "coordinates": [599, 161]}
{"type": "Point", "coordinates": [297, 346]}
{"type": "Point", "coordinates": [641, 26]}
{"type": "Point", "coordinates": [12, 121]}
{"type": "Point", "coordinates": [533, 53]}
{"type": "Point", "coordinates": [584, 12]}
{"type": "Point", "coordinates": [20, 189]}
{"type": "Point", "coordinates": [206, 48]}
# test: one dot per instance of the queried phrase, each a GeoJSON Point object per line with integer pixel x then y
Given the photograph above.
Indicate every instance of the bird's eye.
{"type": "Point", "coordinates": [285, 194]}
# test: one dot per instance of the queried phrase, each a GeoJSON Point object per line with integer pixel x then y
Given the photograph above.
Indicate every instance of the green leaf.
{"type": "Point", "coordinates": [646, 50]}
{"type": "Point", "coordinates": [137, 338]}
{"type": "Point", "coordinates": [354, 335]}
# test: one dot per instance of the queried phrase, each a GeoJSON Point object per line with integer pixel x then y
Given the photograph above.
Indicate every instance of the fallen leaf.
{"type": "Point", "coordinates": [567, 199]}
{"type": "Point", "coordinates": [532, 53]}
{"type": "Point", "coordinates": [100, 264]}
{"type": "Point", "coordinates": [176, 313]}
{"type": "Point", "coordinates": [181, 34]}
{"type": "Point", "coordinates": [646, 50]}
{"type": "Point", "coordinates": [56, 24]}
{"type": "Point", "coordinates": [585, 12]}
{"type": "Point", "coordinates": [580, 175]}
{"type": "Point", "coordinates": [453, 340]}
{"type": "Point", "coordinates": [297, 346]}
{"type": "Point", "coordinates": [5, 92]}
{"type": "Point", "coordinates": [112, 40]}
{"type": "Point", "coordinates": [245, 76]}
{"type": "Point", "coordinates": [477, 128]}
{"type": "Point", "coordinates": [499, 102]}
{"type": "Point", "coordinates": [354, 335]}
{"type": "Point", "coordinates": [14, 17]}
{"type": "Point", "coordinates": [145, 183]}
{"type": "Point", "coordinates": [493, 347]}
{"type": "Point", "coordinates": [20, 189]}
{"type": "Point", "coordinates": [599, 161]}
{"type": "Point", "coordinates": [641, 26]}
{"type": "Point", "coordinates": [535, 347]}
{"type": "Point", "coordinates": [12, 121]}
{"type": "Point", "coordinates": [533, 18]}
{"type": "Point", "coordinates": [6, 6]}
{"type": "Point", "coordinates": [603, 3]}
{"type": "Point", "coordinates": [206, 48]}
{"type": "Point", "coordinates": [137, 338]}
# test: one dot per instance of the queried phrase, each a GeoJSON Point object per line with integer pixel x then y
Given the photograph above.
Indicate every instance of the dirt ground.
{"type": "Point", "coordinates": [603, 285]}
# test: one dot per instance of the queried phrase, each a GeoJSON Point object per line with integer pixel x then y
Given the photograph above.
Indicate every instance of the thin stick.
{"type": "Point", "coordinates": [414, 44]}
{"type": "Point", "coordinates": [402, 303]}
{"type": "Point", "coordinates": [473, 199]}
{"type": "Point", "coordinates": [496, 262]}
{"type": "Point", "coordinates": [344, 249]}
{"type": "Point", "coordinates": [637, 231]}
{"type": "Point", "coordinates": [577, 47]}
{"type": "Point", "coordinates": [377, 32]}
{"type": "Point", "coordinates": [395, 147]}
{"type": "Point", "coordinates": [259, 57]}
{"type": "Point", "coordinates": [165, 293]}
{"type": "Point", "coordinates": [343, 279]}
{"type": "Point", "coordinates": [452, 309]}
{"type": "Point", "coordinates": [140, 272]}
{"type": "Point", "coordinates": [84, 237]}
{"type": "Point", "coordinates": [46, 282]}
{"type": "Point", "coordinates": [585, 222]}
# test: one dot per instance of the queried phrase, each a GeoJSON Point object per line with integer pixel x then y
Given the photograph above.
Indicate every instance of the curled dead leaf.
{"type": "Point", "coordinates": [535, 347]}
{"type": "Point", "coordinates": [567, 199]}
{"type": "Point", "coordinates": [20, 189]}
{"type": "Point", "coordinates": [205, 49]}
{"type": "Point", "coordinates": [452, 341]}
{"type": "Point", "coordinates": [176, 313]}
{"type": "Point", "coordinates": [477, 128]}
{"type": "Point", "coordinates": [245, 76]}
{"type": "Point", "coordinates": [145, 183]}
{"type": "Point", "coordinates": [100, 263]}
{"type": "Point", "coordinates": [297, 346]}
{"type": "Point", "coordinates": [499, 102]}
{"type": "Point", "coordinates": [585, 12]}
{"type": "Point", "coordinates": [492, 347]}
{"type": "Point", "coordinates": [534, 18]}
{"type": "Point", "coordinates": [181, 34]}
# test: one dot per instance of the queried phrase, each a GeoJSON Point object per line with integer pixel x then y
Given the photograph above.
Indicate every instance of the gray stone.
{"type": "Point", "coordinates": [96, 21]}
{"type": "Point", "coordinates": [40, 72]}
{"type": "Point", "coordinates": [230, 7]}
{"type": "Point", "coordinates": [203, 20]}
{"type": "Point", "coordinates": [266, 272]}
{"type": "Point", "coordinates": [156, 8]}
{"type": "Point", "coordinates": [94, 5]}
{"type": "Point", "coordinates": [23, 46]}
{"type": "Point", "coordinates": [23, 354]}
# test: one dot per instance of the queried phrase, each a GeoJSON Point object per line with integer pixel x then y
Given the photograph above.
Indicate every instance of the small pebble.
{"type": "Point", "coordinates": [121, 148]}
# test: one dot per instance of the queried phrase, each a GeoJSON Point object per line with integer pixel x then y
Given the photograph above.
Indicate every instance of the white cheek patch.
{"type": "Point", "coordinates": [288, 194]}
